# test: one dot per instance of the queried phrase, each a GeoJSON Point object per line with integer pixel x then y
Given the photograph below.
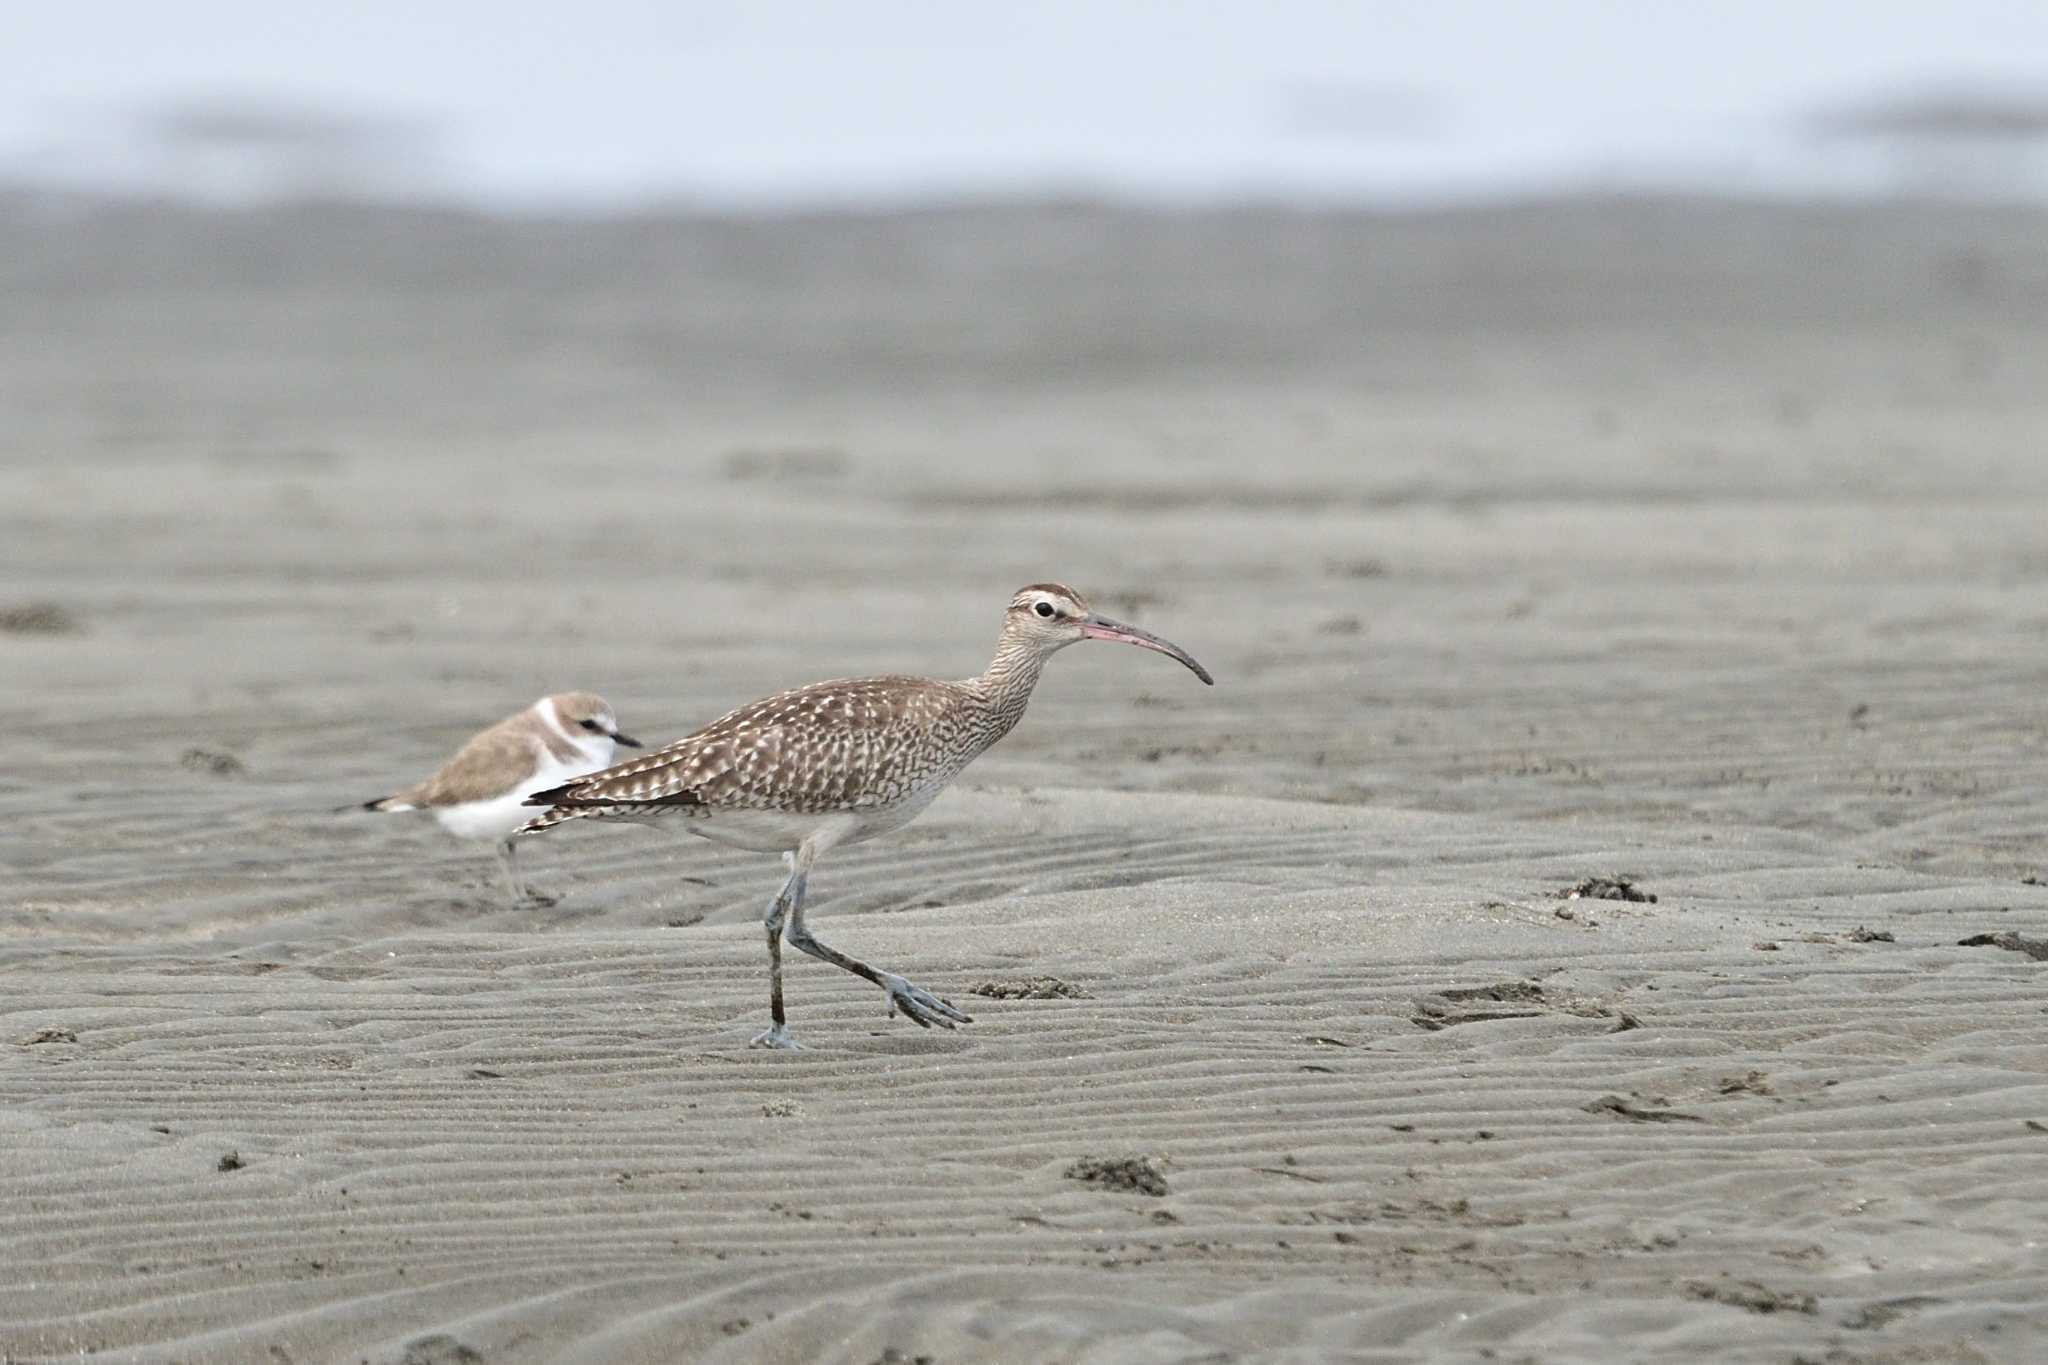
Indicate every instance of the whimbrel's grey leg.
{"type": "Point", "coordinates": [792, 893]}
{"type": "Point", "coordinates": [521, 892]}
{"type": "Point", "coordinates": [922, 1007]}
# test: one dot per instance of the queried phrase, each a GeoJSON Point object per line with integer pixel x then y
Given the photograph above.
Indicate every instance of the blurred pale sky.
{"type": "Point", "coordinates": [618, 101]}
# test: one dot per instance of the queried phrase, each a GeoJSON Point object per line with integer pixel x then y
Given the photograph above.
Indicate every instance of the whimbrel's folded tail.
{"type": "Point", "coordinates": [561, 804]}
{"type": "Point", "coordinates": [588, 797]}
{"type": "Point", "coordinates": [550, 817]}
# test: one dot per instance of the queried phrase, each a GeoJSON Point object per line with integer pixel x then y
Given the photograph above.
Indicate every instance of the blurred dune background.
{"type": "Point", "coordinates": [627, 106]}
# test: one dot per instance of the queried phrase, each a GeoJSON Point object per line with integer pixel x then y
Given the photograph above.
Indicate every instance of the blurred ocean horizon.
{"type": "Point", "coordinates": [626, 106]}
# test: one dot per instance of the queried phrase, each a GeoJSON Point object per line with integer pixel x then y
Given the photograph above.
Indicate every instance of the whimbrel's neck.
{"type": "Point", "coordinates": [1005, 685]}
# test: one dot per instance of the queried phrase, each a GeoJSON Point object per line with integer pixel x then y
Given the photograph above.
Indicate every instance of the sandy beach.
{"type": "Point", "coordinates": [1697, 549]}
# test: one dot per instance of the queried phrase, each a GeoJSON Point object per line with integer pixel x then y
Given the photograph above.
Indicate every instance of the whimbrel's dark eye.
{"type": "Point", "coordinates": [1044, 609]}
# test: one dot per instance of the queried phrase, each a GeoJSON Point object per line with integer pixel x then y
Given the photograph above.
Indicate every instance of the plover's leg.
{"type": "Point", "coordinates": [922, 1007]}
{"type": "Point", "coordinates": [792, 893]}
{"type": "Point", "coordinates": [522, 894]}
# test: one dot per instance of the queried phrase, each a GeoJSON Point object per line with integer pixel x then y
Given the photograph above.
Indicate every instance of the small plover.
{"type": "Point", "coordinates": [479, 793]}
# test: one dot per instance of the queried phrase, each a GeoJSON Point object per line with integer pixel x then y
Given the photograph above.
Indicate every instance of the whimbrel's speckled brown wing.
{"type": "Point", "coordinates": [851, 744]}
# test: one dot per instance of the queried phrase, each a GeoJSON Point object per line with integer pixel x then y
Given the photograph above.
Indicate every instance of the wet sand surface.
{"type": "Point", "coordinates": [1696, 549]}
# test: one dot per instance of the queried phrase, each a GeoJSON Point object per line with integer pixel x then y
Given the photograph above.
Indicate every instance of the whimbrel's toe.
{"type": "Point", "coordinates": [920, 1006]}
{"type": "Point", "coordinates": [777, 1038]}
{"type": "Point", "coordinates": [537, 899]}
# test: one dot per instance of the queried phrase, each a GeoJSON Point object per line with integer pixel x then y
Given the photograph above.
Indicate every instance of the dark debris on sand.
{"type": "Point", "coordinates": [48, 1033]}
{"type": "Point", "coordinates": [1125, 1174]}
{"type": "Point", "coordinates": [1606, 889]}
{"type": "Point", "coordinates": [1029, 988]}
{"type": "Point", "coordinates": [1624, 1108]}
{"type": "Point", "coordinates": [1887, 1311]}
{"type": "Point", "coordinates": [2035, 948]}
{"type": "Point", "coordinates": [1456, 1005]}
{"type": "Point", "coordinates": [1505, 1000]}
{"type": "Point", "coordinates": [1751, 1083]}
{"type": "Point", "coordinates": [212, 762]}
{"type": "Point", "coordinates": [38, 618]}
{"type": "Point", "coordinates": [440, 1349]}
{"type": "Point", "coordinates": [1757, 1298]}
{"type": "Point", "coordinates": [230, 1161]}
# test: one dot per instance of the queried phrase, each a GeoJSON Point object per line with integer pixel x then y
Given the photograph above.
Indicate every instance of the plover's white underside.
{"type": "Point", "coordinates": [481, 791]}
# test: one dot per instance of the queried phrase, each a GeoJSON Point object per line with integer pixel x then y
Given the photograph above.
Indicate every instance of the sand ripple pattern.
{"type": "Point", "coordinates": [1695, 545]}
{"type": "Point", "coordinates": [556, 1146]}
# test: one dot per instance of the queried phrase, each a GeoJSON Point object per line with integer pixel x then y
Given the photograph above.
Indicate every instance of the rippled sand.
{"type": "Point", "coordinates": [1697, 546]}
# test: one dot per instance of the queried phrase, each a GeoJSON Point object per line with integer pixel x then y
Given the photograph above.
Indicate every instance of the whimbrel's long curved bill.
{"type": "Point", "coordinates": [1102, 628]}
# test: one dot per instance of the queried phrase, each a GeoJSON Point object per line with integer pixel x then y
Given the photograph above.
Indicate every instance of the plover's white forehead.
{"type": "Point", "coordinates": [577, 707]}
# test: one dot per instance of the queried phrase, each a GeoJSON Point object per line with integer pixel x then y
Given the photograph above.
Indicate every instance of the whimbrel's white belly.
{"type": "Point", "coordinates": [767, 831]}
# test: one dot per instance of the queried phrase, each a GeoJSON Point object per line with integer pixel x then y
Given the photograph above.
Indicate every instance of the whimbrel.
{"type": "Point", "coordinates": [834, 763]}
{"type": "Point", "coordinates": [481, 792]}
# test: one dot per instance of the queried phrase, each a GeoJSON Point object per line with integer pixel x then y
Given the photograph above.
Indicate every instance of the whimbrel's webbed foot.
{"type": "Point", "coordinates": [919, 1005]}
{"type": "Point", "coordinates": [777, 1038]}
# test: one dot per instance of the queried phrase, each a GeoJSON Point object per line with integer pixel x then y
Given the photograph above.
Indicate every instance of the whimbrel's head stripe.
{"type": "Point", "coordinates": [1026, 597]}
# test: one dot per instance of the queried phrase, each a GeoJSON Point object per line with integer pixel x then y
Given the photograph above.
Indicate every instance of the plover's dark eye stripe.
{"type": "Point", "coordinates": [590, 725]}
